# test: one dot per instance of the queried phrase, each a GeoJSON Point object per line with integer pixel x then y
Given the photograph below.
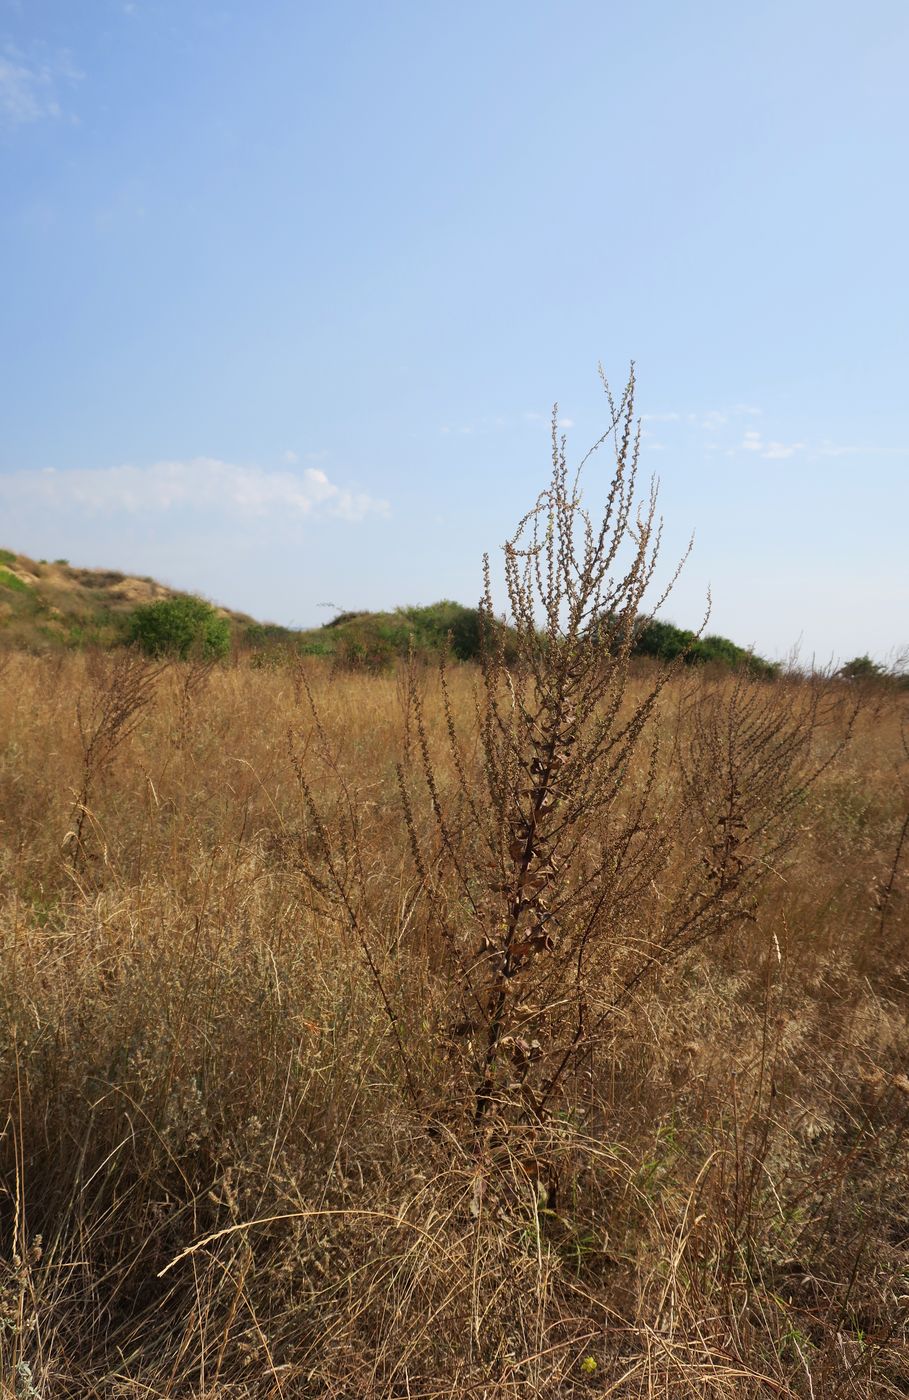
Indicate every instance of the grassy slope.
{"type": "Point", "coordinates": [45, 606]}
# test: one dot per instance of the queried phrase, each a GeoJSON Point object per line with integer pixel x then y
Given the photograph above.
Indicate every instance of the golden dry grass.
{"type": "Point", "coordinates": [248, 1180]}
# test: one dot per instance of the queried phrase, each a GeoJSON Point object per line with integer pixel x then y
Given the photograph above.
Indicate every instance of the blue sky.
{"type": "Point", "coordinates": [288, 290]}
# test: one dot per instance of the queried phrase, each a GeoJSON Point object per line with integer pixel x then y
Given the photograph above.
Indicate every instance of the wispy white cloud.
{"type": "Point", "coordinates": [773, 451]}
{"type": "Point", "coordinates": [710, 419]}
{"type": "Point", "coordinates": [721, 430]}
{"type": "Point", "coordinates": [713, 419]}
{"type": "Point", "coordinates": [777, 451]}
{"type": "Point", "coordinates": [203, 483]}
{"type": "Point", "coordinates": [29, 90]}
{"type": "Point", "coordinates": [26, 94]}
{"type": "Point", "coordinates": [727, 431]}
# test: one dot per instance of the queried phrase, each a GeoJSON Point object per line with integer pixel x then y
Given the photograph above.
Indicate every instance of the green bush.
{"type": "Point", "coordinates": [181, 627]}
{"type": "Point", "coordinates": [862, 668]}
{"type": "Point", "coordinates": [357, 633]}
{"type": "Point", "coordinates": [665, 642]}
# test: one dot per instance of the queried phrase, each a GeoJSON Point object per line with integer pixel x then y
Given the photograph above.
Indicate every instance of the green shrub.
{"type": "Point", "coordinates": [179, 627]}
{"type": "Point", "coordinates": [436, 625]}
{"type": "Point", "coordinates": [7, 556]}
{"type": "Point", "coordinates": [665, 642]}
{"type": "Point", "coordinates": [356, 633]}
{"type": "Point", "coordinates": [265, 634]}
{"type": "Point", "coordinates": [862, 668]}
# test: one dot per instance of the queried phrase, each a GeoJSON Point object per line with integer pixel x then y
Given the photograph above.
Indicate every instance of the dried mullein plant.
{"type": "Point", "coordinates": [565, 823]}
{"type": "Point", "coordinates": [546, 855]}
{"type": "Point", "coordinates": [107, 713]}
{"type": "Point", "coordinates": [747, 755]}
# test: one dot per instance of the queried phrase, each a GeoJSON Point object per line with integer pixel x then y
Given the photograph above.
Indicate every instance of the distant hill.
{"type": "Point", "coordinates": [47, 606]}
{"type": "Point", "coordinates": [372, 638]}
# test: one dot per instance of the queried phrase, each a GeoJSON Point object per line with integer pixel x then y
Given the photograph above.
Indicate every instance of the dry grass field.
{"type": "Point", "coordinates": [222, 1060]}
{"type": "Point", "coordinates": [522, 1030]}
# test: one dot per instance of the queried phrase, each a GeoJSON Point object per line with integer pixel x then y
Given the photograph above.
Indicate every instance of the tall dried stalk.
{"type": "Point", "coordinates": [555, 839]}
{"type": "Point", "coordinates": [888, 886]}
{"type": "Point", "coordinates": [557, 733]}
{"type": "Point", "coordinates": [106, 716]}
{"type": "Point", "coordinates": [751, 754]}
{"type": "Point", "coordinates": [192, 682]}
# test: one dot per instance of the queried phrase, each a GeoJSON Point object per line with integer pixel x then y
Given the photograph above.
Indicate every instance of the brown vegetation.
{"type": "Point", "coordinates": [533, 1030]}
